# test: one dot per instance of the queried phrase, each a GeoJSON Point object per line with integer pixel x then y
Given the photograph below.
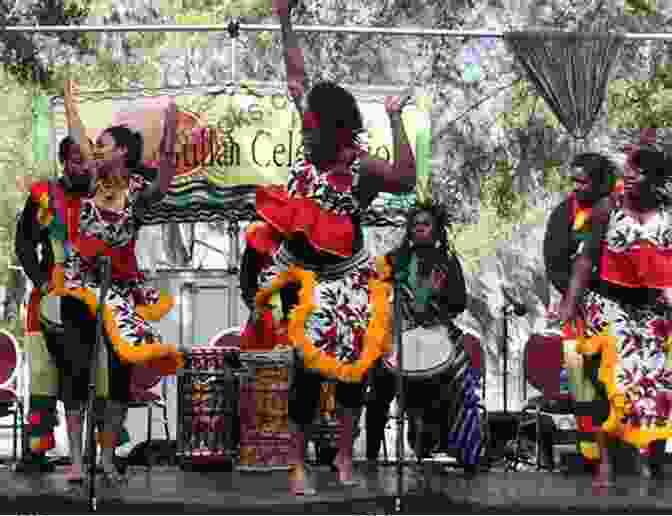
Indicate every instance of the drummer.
{"type": "Point", "coordinates": [36, 257]}
{"type": "Point", "coordinates": [433, 294]}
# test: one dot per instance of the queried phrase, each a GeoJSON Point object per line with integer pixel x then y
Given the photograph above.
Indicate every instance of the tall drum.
{"type": "Point", "coordinates": [208, 408]}
{"type": "Point", "coordinates": [265, 438]}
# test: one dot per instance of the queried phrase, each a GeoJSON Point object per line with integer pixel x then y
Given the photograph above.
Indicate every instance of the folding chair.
{"type": "Point", "coordinates": [543, 364]}
{"type": "Point", "coordinates": [10, 400]}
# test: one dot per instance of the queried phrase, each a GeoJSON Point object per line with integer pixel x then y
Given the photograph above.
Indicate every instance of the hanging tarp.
{"type": "Point", "coordinates": [228, 144]}
{"type": "Point", "coordinates": [569, 70]}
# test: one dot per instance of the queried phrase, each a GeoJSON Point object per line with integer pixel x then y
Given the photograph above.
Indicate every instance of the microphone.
{"type": "Point", "coordinates": [518, 308]}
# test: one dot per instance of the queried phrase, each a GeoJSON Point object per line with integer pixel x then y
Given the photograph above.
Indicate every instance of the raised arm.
{"type": "Point", "coordinates": [75, 125]}
{"type": "Point", "coordinates": [297, 80]}
{"type": "Point", "coordinates": [400, 177]}
{"type": "Point", "coordinates": [167, 161]}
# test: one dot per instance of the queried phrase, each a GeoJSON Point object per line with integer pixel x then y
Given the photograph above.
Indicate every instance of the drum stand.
{"type": "Point", "coordinates": [104, 264]}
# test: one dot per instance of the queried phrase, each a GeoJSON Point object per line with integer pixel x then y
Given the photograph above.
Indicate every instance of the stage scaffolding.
{"type": "Point", "coordinates": [234, 28]}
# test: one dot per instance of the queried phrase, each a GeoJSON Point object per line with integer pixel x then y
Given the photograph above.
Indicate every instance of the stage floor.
{"type": "Point", "coordinates": [169, 490]}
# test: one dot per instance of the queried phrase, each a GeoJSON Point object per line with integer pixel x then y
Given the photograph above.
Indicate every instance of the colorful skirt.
{"type": "Point", "coordinates": [341, 324]}
{"type": "Point", "coordinates": [635, 366]}
{"type": "Point", "coordinates": [126, 319]}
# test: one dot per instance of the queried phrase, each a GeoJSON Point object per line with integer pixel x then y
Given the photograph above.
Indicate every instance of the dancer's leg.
{"type": "Point", "coordinates": [377, 410]}
{"type": "Point", "coordinates": [113, 420]}
{"type": "Point", "coordinates": [304, 400]}
{"type": "Point", "coordinates": [604, 473]}
{"type": "Point", "coordinates": [349, 398]}
{"type": "Point", "coordinates": [73, 419]}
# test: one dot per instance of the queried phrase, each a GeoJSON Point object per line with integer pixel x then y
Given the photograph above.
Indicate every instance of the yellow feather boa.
{"type": "Point", "coordinates": [377, 340]}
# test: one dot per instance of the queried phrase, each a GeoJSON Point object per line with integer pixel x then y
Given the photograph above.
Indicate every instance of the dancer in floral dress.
{"type": "Point", "coordinates": [627, 314]}
{"type": "Point", "coordinates": [310, 250]}
{"type": "Point", "coordinates": [595, 176]}
{"type": "Point", "coordinates": [81, 228]}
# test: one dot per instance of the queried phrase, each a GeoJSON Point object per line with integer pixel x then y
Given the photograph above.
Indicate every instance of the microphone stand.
{"type": "Point", "coordinates": [510, 308]}
{"type": "Point", "coordinates": [104, 264]}
{"type": "Point", "coordinates": [397, 343]}
{"type": "Point", "coordinates": [506, 312]}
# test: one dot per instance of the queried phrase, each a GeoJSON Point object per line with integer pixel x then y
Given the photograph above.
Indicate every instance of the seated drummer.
{"type": "Point", "coordinates": [433, 293]}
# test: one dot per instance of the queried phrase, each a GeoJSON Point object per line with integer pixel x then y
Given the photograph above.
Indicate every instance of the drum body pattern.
{"type": "Point", "coordinates": [208, 408]}
{"type": "Point", "coordinates": [264, 423]}
{"type": "Point", "coordinates": [264, 414]}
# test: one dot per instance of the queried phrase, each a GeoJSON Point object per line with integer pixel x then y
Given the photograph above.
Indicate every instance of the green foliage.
{"type": "Point", "coordinates": [640, 7]}
{"type": "Point", "coordinates": [648, 103]}
{"type": "Point", "coordinates": [21, 52]}
{"type": "Point", "coordinates": [525, 105]}
{"type": "Point", "coordinates": [498, 191]}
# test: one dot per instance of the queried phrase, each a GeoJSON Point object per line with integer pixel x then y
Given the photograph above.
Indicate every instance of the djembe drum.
{"type": "Point", "coordinates": [428, 356]}
{"type": "Point", "coordinates": [265, 438]}
{"type": "Point", "coordinates": [208, 408]}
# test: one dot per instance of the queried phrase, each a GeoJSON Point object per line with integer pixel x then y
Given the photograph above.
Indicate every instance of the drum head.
{"type": "Point", "coordinates": [426, 351]}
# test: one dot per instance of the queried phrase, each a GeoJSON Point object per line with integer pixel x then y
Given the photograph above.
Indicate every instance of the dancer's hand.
{"type": "Point", "coordinates": [666, 296]}
{"type": "Point", "coordinates": [394, 105]}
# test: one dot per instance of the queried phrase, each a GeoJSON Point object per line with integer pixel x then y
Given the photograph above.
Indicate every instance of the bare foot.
{"type": "Point", "coordinates": [344, 466]}
{"type": "Point", "coordinates": [603, 475]}
{"type": "Point", "coordinates": [297, 482]}
{"type": "Point", "coordinates": [74, 474]}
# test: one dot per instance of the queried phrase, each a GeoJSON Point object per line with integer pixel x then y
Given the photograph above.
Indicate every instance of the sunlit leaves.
{"type": "Point", "coordinates": [633, 103]}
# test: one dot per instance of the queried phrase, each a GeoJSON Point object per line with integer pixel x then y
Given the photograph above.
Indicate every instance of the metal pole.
{"type": "Point", "coordinates": [505, 357]}
{"type": "Point", "coordinates": [397, 344]}
{"type": "Point", "coordinates": [341, 29]}
{"type": "Point", "coordinates": [105, 270]}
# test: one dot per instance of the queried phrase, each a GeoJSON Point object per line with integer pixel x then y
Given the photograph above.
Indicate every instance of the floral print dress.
{"type": "Point", "coordinates": [130, 302]}
{"type": "Point", "coordinates": [633, 331]}
{"type": "Point", "coordinates": [339, 325]}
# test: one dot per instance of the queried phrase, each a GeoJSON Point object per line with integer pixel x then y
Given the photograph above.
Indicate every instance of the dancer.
{"type": "Point", "coordinates": [434, 293]}
{"type": "Point", "coordinates": [107, 222]}
{"type": "Point", "coordinates": [594, 177]}
{"type": "Point", "coordinates": [333, 297]}
{"type": "Point", "coordinates": [626, 314]}
{"type": "Point", "coordinates": [35, 255]}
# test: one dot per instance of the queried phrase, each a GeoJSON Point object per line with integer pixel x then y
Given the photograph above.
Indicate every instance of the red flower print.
{"type": "Point", "coordinates": [661, 328]}
{"type": "Point", "coordinates": [339, 181]}
{"type": "Point", "coordinates": [663, 403]}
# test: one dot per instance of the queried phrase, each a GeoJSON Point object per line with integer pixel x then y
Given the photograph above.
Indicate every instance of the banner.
{"type": "Point", "coordinates": [227, 145]}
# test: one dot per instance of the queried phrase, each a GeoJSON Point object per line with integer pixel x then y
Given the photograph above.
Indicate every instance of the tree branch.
{"type": "Point", "coordinates": [484, 100]}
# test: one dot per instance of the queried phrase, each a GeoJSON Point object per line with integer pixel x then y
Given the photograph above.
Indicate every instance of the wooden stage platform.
{"type": "Point", "coordinates": [437, 490]}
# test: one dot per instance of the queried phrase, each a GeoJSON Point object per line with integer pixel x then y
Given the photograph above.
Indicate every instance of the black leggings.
{"type": "Point", "coordinates": [73, 357]}
{"type": "Point", "coordinates": [304, 394]}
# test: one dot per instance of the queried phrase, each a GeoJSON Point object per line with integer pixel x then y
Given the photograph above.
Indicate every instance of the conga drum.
{"type": "Point", "coordinates": [264, 417]}
{"type": "Point", "coordinates": [208, 408]}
